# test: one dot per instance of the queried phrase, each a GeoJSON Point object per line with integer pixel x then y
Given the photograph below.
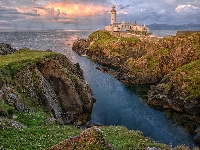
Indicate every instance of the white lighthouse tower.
{"type": "Point", "coordinates": [113, 15]}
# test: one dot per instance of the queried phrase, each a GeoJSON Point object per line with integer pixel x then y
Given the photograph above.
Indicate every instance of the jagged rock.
{"type": "Point", "coordinates": [197, 136]}
{"type": "Point", "coordinates": [91, 138]}
{"type": "Point", "coordinates": [1, 94]}
{"type": "Point", "coordinates": [80, 46]}
{"type": "Point", "coordinates": [74, 103]}
{"type": "Point", "coordinates": [152, 148]}
{"type": "Point", "coordinates": [12, 99]}
{"type": "Point", "coordinates": [6, 124]}
{"type": "Point", "coordinates": [6, 49]}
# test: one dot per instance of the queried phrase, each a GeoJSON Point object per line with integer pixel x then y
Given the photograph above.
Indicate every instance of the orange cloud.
{"type": "Point", "coordinates": [62, 12]}
{"type": "Point", "coordinates": [76, 9]}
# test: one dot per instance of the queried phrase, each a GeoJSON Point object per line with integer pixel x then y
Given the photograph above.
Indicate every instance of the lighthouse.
{"type": "Point", "coordinates": [123, 26]}
{"type": "Point", "coordinates": [113, 15]}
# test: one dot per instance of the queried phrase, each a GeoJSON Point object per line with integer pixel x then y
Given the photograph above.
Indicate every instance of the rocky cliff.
{"type": "Point", "coordinates": [170, 63]}
{"type": "Point", "coordinates": [30, 79]}
{"type": "Point", "coordinates": [143, 59]}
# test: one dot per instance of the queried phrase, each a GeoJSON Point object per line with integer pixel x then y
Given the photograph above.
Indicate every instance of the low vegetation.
{"type": "Point", "coordinates": [122, 138]}
{"type": "Point", "coordinates": [105, 42]}
{"type": "Point", "coordinates": [43, 134]}
{"type": "Point", "coordinates": [188, 78]}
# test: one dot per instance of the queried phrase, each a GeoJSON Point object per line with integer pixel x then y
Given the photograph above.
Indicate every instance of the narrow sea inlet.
{"type": "Point", "coordinates": [116, 103]}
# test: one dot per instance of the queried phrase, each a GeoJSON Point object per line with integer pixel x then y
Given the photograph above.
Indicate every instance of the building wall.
{"type": "Point", "coordinates": [126, 27]}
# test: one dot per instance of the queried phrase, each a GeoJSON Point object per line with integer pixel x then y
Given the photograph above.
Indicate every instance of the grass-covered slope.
{"type": "Point", "coordinates": [10, 65]}
{"type": "Point", "coordinates": [105, 43]}
{"type": "Point", "coordinates": [24, 56]}
{"type": "Point", "coordinates": [179, 90]}
{"type": "Point", "coordinates": [41, 134]}
{"type": "Point", "coordinates": [186, 81]}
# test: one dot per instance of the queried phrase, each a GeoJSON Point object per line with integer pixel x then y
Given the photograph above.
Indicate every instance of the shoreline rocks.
{"type": "Point", "coordinates": [6, 49]}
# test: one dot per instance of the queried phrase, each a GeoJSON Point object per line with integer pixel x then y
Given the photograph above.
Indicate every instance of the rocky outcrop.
{"type": "Point", "coordinates": [52, 82]}
{"type": "Point", "coordinates": [81, 45]}
{"type": "Point", "coordinates": [172, 97]}
{"type": "Point", "coordinates": [197, 136]}
{"type": "Point", "coordinates": [8, 124]}
{"type": "Point", "coordinates": [140, 60]}
{"type": "Point", "coordinates": [91, 138]}
{"type": "Point", "coordinates": [6, 49]}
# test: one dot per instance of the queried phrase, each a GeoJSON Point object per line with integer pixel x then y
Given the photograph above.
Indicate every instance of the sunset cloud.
{"type": "Point", "coordinates": [59, 11]}
{"type": "Point", "coordinates": [96, 13]}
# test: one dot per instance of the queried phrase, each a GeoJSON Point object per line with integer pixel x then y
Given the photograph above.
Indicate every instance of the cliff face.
{"type": "Point", "coordinates": [48, 80]}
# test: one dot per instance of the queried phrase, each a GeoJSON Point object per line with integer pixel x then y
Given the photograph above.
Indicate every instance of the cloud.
{"type": "Point", "coordinates": [58, 13]}
{"type": "Point", "coordinates": [187, 9]}
{"type": "Point", "coordinates": [162, 12]}
{"type": "Point", "coordinates": [170, 1]}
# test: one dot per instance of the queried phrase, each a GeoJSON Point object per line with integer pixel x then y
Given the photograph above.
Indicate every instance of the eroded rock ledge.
{"type": "Point", "coordinates": [47, 79]}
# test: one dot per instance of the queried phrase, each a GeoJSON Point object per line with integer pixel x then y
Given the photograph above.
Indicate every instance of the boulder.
{"type": "Point", "coordinates": [91, 138]}
{"type": "Point", "coordinates": [197, 135]}
{"type": "Point", "coordinates": [6, 49]}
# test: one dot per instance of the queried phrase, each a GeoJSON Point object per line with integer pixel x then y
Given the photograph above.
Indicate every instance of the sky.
{"type": "Point", "coordinates": [93, 14]}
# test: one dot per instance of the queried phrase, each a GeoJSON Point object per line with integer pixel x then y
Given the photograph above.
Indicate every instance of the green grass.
{"type": "Point", "coordinates": [38, 137]}
{"type": "Point", "coordinates": [130, 39]}
{"type": "Point", "coordinates": [5, 110]}
{"type": "Point", "coordinates": [152, 62]}
{"type": "Point", "coordinates": [22, 58]}
{"type": "Point", "coordinates": [189, 76]}
{"type": "Point", "coordinates": [123, 139]}
{"type": "Point", "coordinates": [163, 52]}
{"type": "Point", "coordinates": [192, 79]}
{"type": "Point", "coordinates": [103, 40]}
